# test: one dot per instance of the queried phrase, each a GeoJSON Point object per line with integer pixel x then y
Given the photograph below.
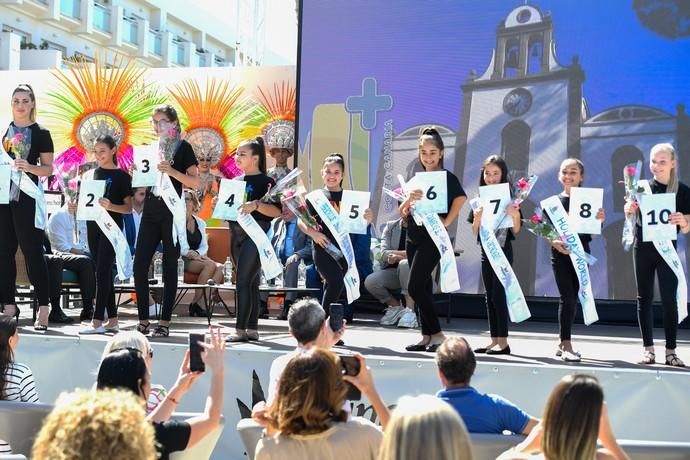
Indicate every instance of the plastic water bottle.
{"type": "Point", "coordinates": [158, 268]}
{"type": "Point", "coordinates": [263, 283]}
{"type": "Point", "coordinates": [180, 270]}
{"type": "Point", "coordinates": [278, 280]}
{"type": "Point", "coordinates": [301, 275]}
{"type": "Point", "coordinates": [227, 271]}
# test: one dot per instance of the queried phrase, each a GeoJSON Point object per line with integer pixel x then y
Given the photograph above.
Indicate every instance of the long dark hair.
{"type": "Point", "coordinates": [8, 327]}
{"type": "Point", "coordinates": [124, 369]}
{"type": "Point", "coordinates": [258, 148]}
{"type": "Point", "coordinates": [108, 140]}
{"type": "Point", "coordinates": [26, 88]}
{"type": "Point", "coordinates": [496, 161]}
{"type": "Point", "coordinates": [335, 158]}
{"type": "Point", "coordinates": [430, 134]}
{"type": "Point", "coordinates": [169, 112]}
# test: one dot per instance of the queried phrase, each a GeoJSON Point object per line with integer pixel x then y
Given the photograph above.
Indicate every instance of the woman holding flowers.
{"type": "Point", "coordinates": [30, 148]}
{"type": "Point", "coordinates": [422, 253]}
{"type": "Point", "coordinates": [648, 261]}
{"type": "Point", "coordinates": [180, 164]}
{"type": "Point", "coordinates": [495, 171]}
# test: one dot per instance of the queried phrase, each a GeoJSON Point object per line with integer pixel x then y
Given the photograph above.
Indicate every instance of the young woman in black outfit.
{"type": "Point", "coordinates": [117, 200]}
{"type": "Point", "coordinates": [156, 226]}
{"type": "Point", "coordinates": [17, 224]}
{"type": "Point", "coordinates": [422, 253]}
{"type": "Point", "coordinates": [647, 260]}
{"type": "Point", "coordinates": [331, 271]}
{"type": "Point", "coordinates": [495, 171]}
{"type": "Point", "coordinates": [251, 159]}
{"type": "Point", "coordinates": [571, 174]}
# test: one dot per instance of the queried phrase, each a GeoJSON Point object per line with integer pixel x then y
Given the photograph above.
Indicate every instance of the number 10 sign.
{"type": "Point", "coordinates": [584, 205]}
{"type": "Point", "coordinates": [655, 211]}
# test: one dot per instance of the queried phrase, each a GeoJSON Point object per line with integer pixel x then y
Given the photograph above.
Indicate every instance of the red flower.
{"type": "Point", "coordinates": [18, 138]}
{"type": "Point", "coordinates": [302, 208]}
{"type": "Point", "coordinates": [288, 194]}
{"type": "Point", "coordinates": [630, 171]}
{"type": "Point", "coordinates": [536, 219]}
{"type": "Point", "coordinates": [523, 184]}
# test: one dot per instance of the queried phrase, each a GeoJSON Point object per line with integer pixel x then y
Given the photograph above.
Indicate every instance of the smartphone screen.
{"type": "Point", "coordinates": [335, 318]}
{"type": "Point", "coordinates": [350, 366]}
{"type": "Point", "coordinates": [195, 362]}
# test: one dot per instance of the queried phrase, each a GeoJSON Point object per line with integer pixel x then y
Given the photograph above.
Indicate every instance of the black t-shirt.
{"type": "Point", "coordinates": [682, 204]}
{"type": "Point", "coordinates": [455, 190]}
{"type": "Point", "coordinates": [334, 198]}
{"type": "Point", "coordinates": [183, 159]}
{"type": "Point", "coordinates": [118, 186]}
{"type": "Point", "coordinates": [585, 238]}
{"type": "Point", "coordinates": [257, 186]}
{"type": "Point", "coordinates": [171, 436]}
{"type": "Point", "coordinates": [41, 142]}
{"type": "Point", "coordinates": [194, 238]}
{"type": "Point", "coordinates": [509, 236]}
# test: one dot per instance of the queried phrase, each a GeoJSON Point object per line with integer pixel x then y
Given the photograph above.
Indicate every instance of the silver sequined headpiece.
{"type": "Point", "coordinates": [280, 134]}
{"type": "Point", "coordinates": [98, 124]}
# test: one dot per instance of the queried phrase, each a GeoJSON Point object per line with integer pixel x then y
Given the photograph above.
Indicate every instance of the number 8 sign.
{"type": "Point", "coordinates": [230, 198]}
{"type": "Point", "coordinates": [655, 211]}
{"type": "Point", "coordinates": [584, 205]}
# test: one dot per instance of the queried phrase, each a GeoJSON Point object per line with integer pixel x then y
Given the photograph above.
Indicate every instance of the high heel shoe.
{"type": "Point", "coordinates": [196, 310]}
{"type": "Point", "coordinates": [16, 310]}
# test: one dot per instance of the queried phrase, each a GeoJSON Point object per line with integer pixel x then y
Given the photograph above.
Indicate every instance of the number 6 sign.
{"type": "Point", "coordinates": [584, 205]}
{"type": "Point", "coordinates": [655, 211]}
{"type": "Point", "coordinates": [230, 198]}
{"type": "Point", "coordinates": [434, 187]}
{"type": "Point", "coordinates": [352, 207]}
{"type": "Point", "coordinates": [90, 192]}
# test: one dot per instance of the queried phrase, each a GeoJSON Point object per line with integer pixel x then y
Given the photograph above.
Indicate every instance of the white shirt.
{"type": "Point", "coordinates": [19, 384]}
{"type": "Point", "coordinates": [137, 223]}
{"type": "Point", "coordinates": [61, 232]}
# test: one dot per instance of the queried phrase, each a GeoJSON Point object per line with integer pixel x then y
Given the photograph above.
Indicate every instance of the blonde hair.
{"type": "Point", "coordinates": [91, 425]}
{"type": "Point", "coordinates": [127, 339]}
{"type": "Point", "coordinates": [196, 206]}
{"type": "Point", "coordinates": [672, 186]}
{"type": "Point", "coordinates": [425, 426]}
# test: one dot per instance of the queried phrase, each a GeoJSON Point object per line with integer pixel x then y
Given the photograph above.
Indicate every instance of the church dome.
{"type": "Point", "coordinates": [522, 16]}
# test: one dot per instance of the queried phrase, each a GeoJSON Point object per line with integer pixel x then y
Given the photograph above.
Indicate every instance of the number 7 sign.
{"type": "Point", "coordinates": [584, 205]}
{"type": "Point", "coordinates": [352, 207]}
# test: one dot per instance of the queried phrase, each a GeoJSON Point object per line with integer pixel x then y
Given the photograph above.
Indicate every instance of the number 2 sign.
{"type": "Point", "coordinates": [584, 205]}
{"type": "Point", "coordinates": [90, 192]}
{"type": "Point", "coordinates": [230, 198]}
{"type": "Point", "coordinates": [352, 207]}
{"type": "Point", "coordinates": [655, 211]}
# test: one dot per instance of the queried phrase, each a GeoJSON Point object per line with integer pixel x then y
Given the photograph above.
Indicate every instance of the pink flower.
{"type": "Point", "coordinates": [522, 184]}
{"type": "Point", "coordinates": [18, 138]}
{"type": "Point", "coordinates": [536, 219]}
{"type": "Point", "coordinates": [289, 194]}
{"type": "Point", "coordinates": [630, 171]}
{"type": "Point", "coordinates": [172, 132]}
{"type": "Point", "coordinates": [302, 208]}
{"type": "Point", "coordinates": [73, 184]}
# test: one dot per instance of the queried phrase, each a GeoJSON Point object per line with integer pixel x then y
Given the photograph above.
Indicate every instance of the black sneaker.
{"type": "Point", "coordinates": [86, 314]}
{"type": "Point", "coordinates": [58, 316]}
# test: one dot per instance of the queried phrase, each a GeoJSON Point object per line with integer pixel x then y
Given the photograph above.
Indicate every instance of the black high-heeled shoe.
{"type": "Point", "coordinates": [195, 310]}
{"type": "Point", "coordinates": [16, 310]}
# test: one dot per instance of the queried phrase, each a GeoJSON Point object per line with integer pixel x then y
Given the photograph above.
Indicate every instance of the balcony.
{"type": "Point", "coordinates": [155, 43]}
{"type": "Point", "coordinates": [201, 59]}
{"type": "Point", "coordinates": [101, 18]}
{"type": "Point", "coordinates": [177, 52]}
{"type": "Point", "coordinates": [130, 31]}
{"type": "Point", "coordinates": [70, 8]}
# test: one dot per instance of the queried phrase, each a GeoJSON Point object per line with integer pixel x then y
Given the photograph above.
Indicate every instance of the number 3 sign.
{"type": "Point", "coordinates": [584, 205]}
{"type": "Point", "coordinates": [230, 198]}
{"type": "Point", "coordinates": [146, 158]}
{"type": "Point", "coordinates": [352, 207]}
{"type": "Point", "coordinates": [655, 211]}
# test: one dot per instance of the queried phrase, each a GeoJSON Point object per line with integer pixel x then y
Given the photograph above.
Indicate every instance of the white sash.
{"type": "Point", "coordinates": [27, 186]}
{"type": "Point", "coordinates": [515, 299]}
{"type": "Point", "coordinates": [177, 208]}
{"type": "Point", "coordinates": [270, 264]}
{"type": "Point", "coordinates": [331, 219]}
{"type": "Point", "coordinates": [559, 218]}
{"type": "Point", "coordinates": [449, 281]}
{"type": "Point", "coordinates": [670, 256]}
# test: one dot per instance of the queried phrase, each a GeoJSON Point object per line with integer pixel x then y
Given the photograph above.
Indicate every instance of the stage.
{"type": "Point", "coordinates": [62, 360]}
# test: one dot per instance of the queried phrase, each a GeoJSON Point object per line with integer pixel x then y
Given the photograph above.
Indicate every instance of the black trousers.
{"type": "Point", "coordinates": [333, 272]}
{"type": "Point", "coordinates": [17, 229]}
{"type": "Point", "coordinates": [82, 265]}
{"type": "Point", "coordinates": [568, 287]}
{"type": "Point", "coordinates": [648, 262]}
{"type": "Point", "coordinates": [156, 226]}
{"type": "Point", "coordinates": [104, 256]}
{"type": "Point", "coordinates": [248, 266]}
{"type": "Point", "coordinates": [423, 256]}
{"type": "Point", "coordinates": [495, 295]}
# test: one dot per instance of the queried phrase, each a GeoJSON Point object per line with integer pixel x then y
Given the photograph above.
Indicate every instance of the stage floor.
{"type": "Point", "coordinates": [532, 343]}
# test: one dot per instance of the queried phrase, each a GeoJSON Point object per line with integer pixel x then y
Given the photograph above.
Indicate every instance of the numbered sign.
{"type": "Point", "coordinates": [655, 211]}
{"type": "Point", "coordinates": [146, 158]}
{"type": "Point", "coordinates": [352, 207]}
{"type": "Point", "coordinates": [89, 193]}
{"type": "Point", "coordinates": [434, 187]}
{"type": "Point", "coordinates": [584, 205]}
{"type": "Point", "coordinates": [494, 199]}
{"type": "Point", "coordinates": [230, 198]}
{"type": "Point", "coordinates": [5, 172]}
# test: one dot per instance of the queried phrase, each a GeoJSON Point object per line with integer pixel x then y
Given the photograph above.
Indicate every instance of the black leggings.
{"type": "Point", "coordinates": [568, 288]}
{"type": "Point", "coordinates": [647, 260]}
{"type": "Point", "coordinates": [496, 307]}
{"type": "Point", "coordinates": [248, 266]}
{"type": "Point", "coordinates": [104, 256]}
{"type": "Point", "coordinates": [17, 228]}
{"type": "Point", "coordinates": [333, 272]}
{"type": "Point", "coordinates": [156, 226]}
{"type": "Point", "coordinates": [423, 256]}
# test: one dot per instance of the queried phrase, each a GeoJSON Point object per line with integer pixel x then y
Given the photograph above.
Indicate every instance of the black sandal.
{"type": "Point", "coordinates": [161, 331]}
{"type": "Point", "coordinates": [144, 328]}
{"type": "Point", "coordinates": [672, 359]}
{"type": "Point", "coordinates": [648, 357]}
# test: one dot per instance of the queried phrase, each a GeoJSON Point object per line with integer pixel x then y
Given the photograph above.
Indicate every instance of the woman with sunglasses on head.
{"type": "Point", "coordinates": [30, 147]}
{"type": "Point", "coordinates": [157, 226]}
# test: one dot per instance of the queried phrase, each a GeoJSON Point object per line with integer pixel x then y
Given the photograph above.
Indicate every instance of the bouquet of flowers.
{"type": "Point", "coordinates": [286, 187]}
{"type": "Point", "coordinates": [631, 176]}
{"type": "Point", "coordinates": [544, 229]}
{"type": "Point", "coordinates": [19, 143]}
{"type": "Point", "coordinates": [169, 139]}
{"type": "Point", "coordinates": [69, 185]}
{"type": "Point", "coordinates": [298, 206]}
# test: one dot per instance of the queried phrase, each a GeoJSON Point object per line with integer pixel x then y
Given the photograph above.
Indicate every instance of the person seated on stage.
{"type": "Point", "coordinates": [16, 379]}
{"type": "Point", "coordinates": [126, 369]}
{"type": "Point", "coordinates": [133, 221]}
{"type": "Point", "coordinates": [138, 341]}
{"type": "Point", "coordinates": [75, 256]}
{"type": "Point", "coordinates": [482, 413]}
{"type": "Point", "coordinates": [575, 416]}
{"type": "Point", "coordinates": [196, 260]}
{"type": "Point", "coordinates": [425, 427]}
{"type": "Point", "coordinates": [90, 425]}
{"type": "Point", "coordinates": [307, 419]}
{"type": "Point", "coordinates": [394, 273]}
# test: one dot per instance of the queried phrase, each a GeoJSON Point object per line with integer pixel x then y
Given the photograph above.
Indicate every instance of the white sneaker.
{"type": "Point", "coordinates": [155, 309]}
{"type": "Point", "coordinates": [392, 315]}
{"type": "Point", "coordinates": [570, 357]}
{"type": "Point", "coordinates": [93, 330]}
{"type": "Point", "coordinates": [408, 319]}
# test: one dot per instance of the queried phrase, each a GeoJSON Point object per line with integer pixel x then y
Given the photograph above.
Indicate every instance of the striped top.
{"type": "Point", "coordinates": [19, 384]}
{"type": "Point", "coordinates": [5, 447]}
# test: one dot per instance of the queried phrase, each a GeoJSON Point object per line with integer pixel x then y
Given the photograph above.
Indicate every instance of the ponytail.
{"type": "Point", "coordinates": [335, 158]}
{"type": "Point", "coordinates": [429, 134]}
{"type": "Point", "coordinates": [256, 145]}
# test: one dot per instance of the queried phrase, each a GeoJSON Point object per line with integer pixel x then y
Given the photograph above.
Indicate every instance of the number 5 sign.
{"type": "Point", "coordinates": [89, 194]}
{"type": "Point", "coordinates": [584, 205]}
{"type": "Point", "coordinates": [352, 207]}
{"type": "Point", "coordinates": [655, 211]}
{"type": "Point", "coordinates": [230, 198]}
{"type": "Point", "coordinates": [434, 187]}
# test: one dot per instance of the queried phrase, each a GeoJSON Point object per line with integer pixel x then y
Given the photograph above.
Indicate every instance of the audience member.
{"type": "Point", "coordinates": [575, 416]}
{"type": "Point", "coordinates": [425, 427]}
{"type": "Point", "coordinates": [133, 221]}
{"type": "Point", "coordinates": [482, 413]}
{"type": "Point", "coordinates": [307, 420]}
{"type": "Point", "coordinates": [126, 369]}
{"type": "Point", "coordinates": [91, 425]}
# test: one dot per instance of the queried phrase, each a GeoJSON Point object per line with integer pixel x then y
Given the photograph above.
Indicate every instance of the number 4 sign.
{"type": "Point", "coordinates": [584, 205]}
{"type": "Point", "coordinates": [352, 207]}
{"type": "Point", "coordinates": [230, 198]}
{"type": "Point", "coordinates": [655, 211]}
{"type": "Point", "coordinates": [90, 192]}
